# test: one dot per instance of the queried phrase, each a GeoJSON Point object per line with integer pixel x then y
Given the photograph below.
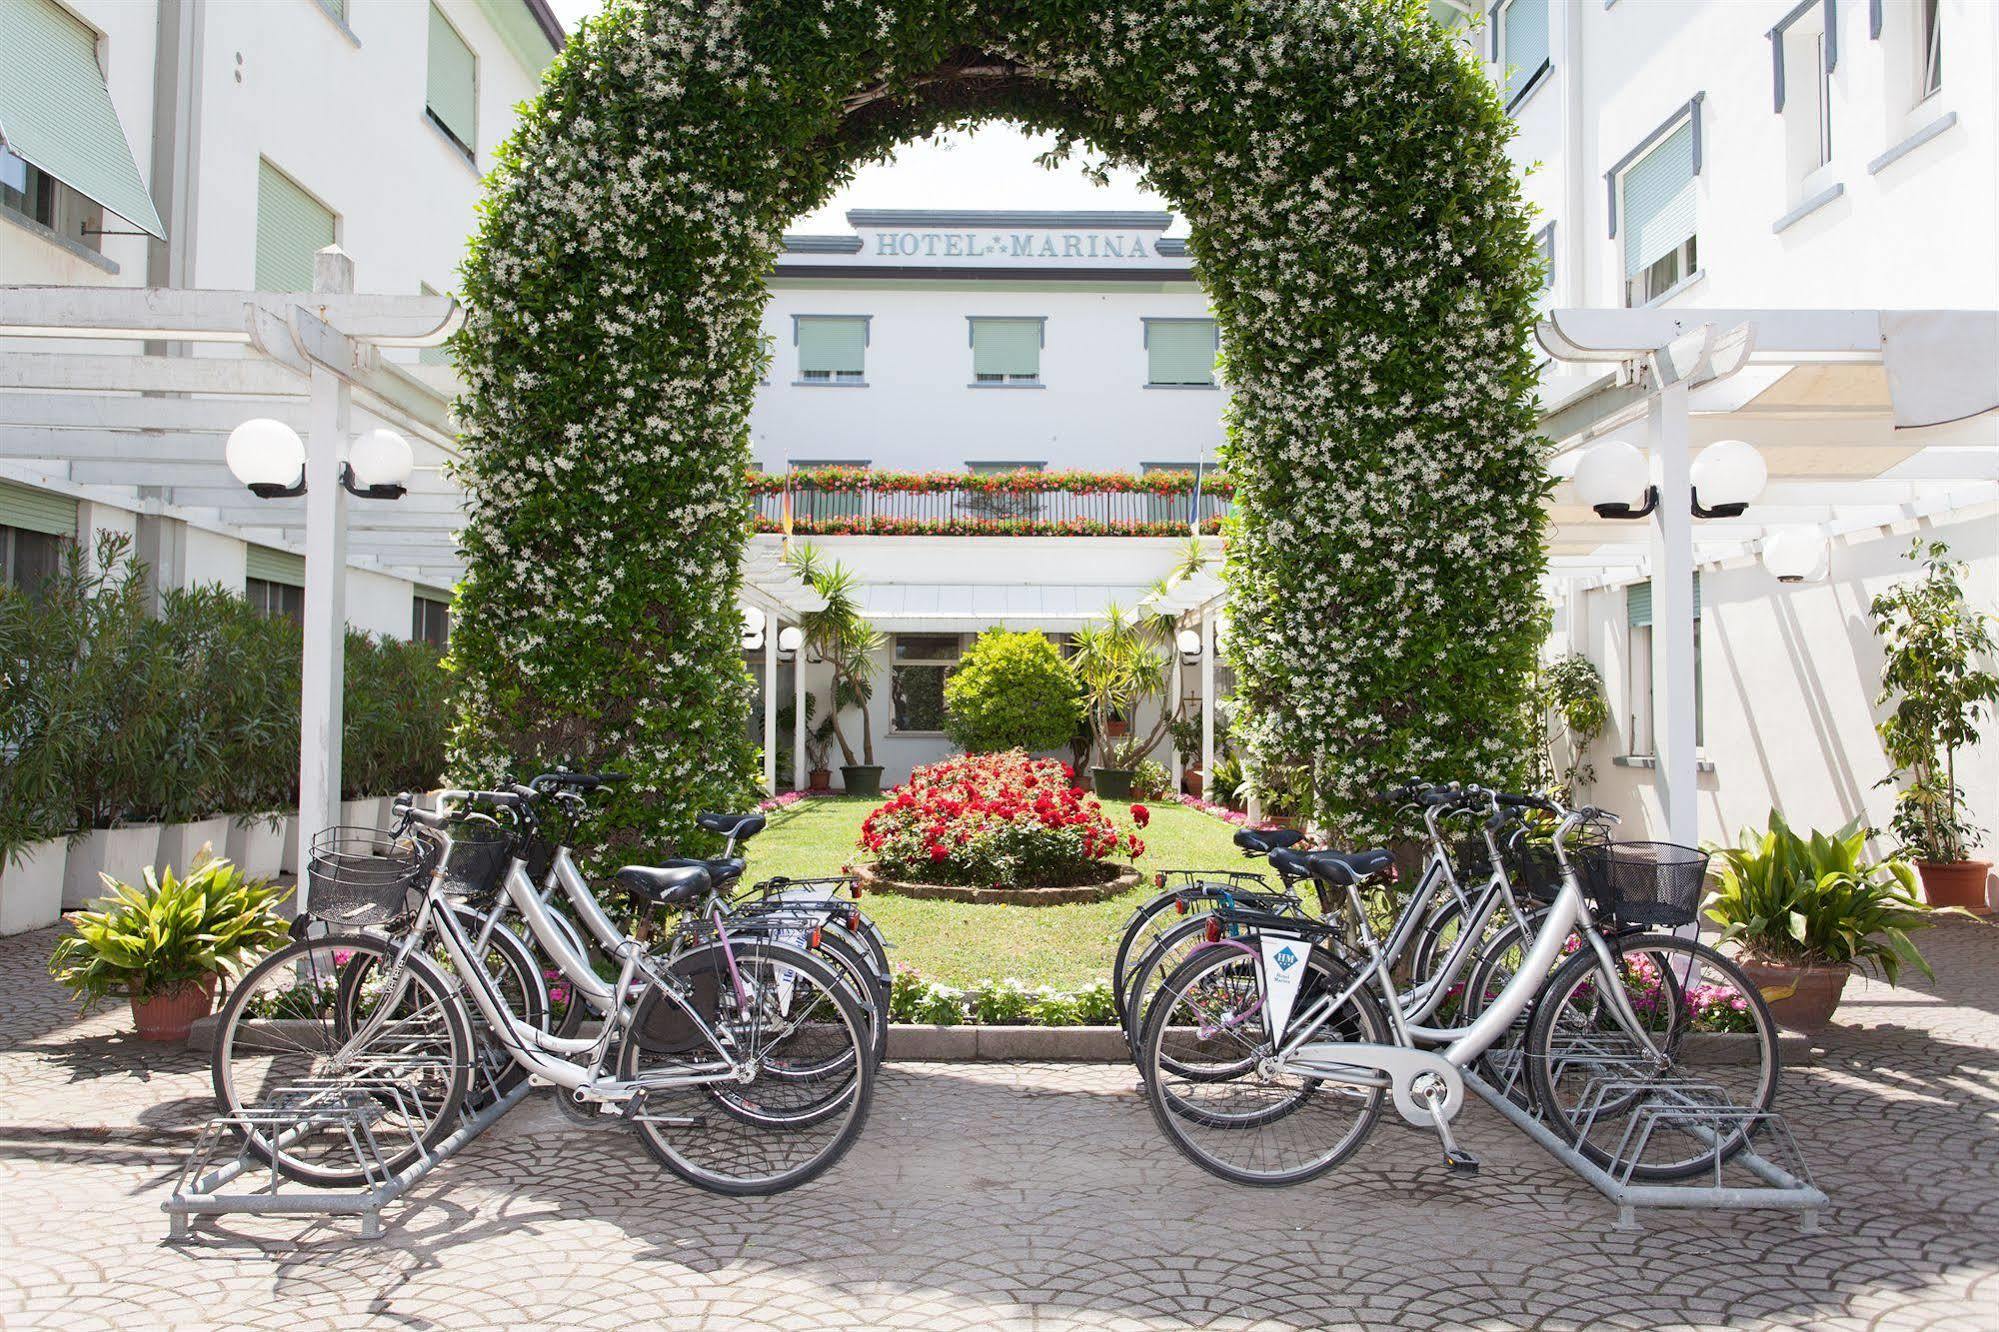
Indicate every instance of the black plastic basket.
{"type": "Point", "coordinates": [360, 877]}
{"type": "Point", "coordinates": [1644, 883]}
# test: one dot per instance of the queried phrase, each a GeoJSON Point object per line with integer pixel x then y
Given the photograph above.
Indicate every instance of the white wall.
{"type": "Point", "coordinates": [918, 410]}
{"type": "Point", "coordinates": [378, 604]}
{"type": "Point", "coordinates": [214, 558]}
{"type": "Point", "coordinates": [1790, 674]}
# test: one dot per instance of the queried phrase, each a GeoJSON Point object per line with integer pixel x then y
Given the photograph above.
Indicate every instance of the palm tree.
{"type": "Point", "coordinates": [840, 633]}
{"type": "Point", "coordinates": [1121, 662]}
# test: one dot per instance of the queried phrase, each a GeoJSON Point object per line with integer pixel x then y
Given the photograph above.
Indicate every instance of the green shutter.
{"type": "Point", "coordinates": [37, 510]}
{"type": "Point", "coordinates": [452, 90]}
{"type": "Point", "coordinates": [1524, 41]}
{"type": "Point", "coordinates": [56, 112]}
{"type": "Point", "coordinates": [1180, 351]}
{"type": "Point", "coordinates": [292, 227]}
{"type": "Point", "coordinates": [832, 345]}
{"type": "Point", "coordinates": [274, 566]}
{"type": "Point", "coordinates": [1006, 347]}
{"type": "Point", "coordinates": [1638, 602]}
{"type": "Point", "coordinates": [1659, 201]}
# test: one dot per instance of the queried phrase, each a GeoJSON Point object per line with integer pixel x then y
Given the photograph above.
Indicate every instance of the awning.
{"type": "Point", "coordinates": [56, 112]}
{"type": "Point", "coordinates": [970, 608]}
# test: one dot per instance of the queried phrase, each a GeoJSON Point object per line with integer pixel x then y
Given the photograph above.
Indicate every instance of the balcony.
{"type": "Point", "coordinates": [846, 501]}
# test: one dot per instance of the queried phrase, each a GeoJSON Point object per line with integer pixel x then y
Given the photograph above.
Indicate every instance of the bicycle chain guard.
{"type": "Point", "coordinates": [1337, 1060]}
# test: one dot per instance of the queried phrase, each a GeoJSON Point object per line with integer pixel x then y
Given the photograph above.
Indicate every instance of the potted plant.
{"type": "Point", "coordinates": [818, 746]}
{"type": "Point", "coordinates": [1120, 661]}
{"type": "Point", "coordinates": [841, 635]}
{"type": "Point", "coordinates": [1186, 735]}
{"type": "Point", "coordinates": [164, 946]}
{"type": "Point", "coordinates": [1803, 912]}
{"type": "Point", "coordinates": [1935, 673]}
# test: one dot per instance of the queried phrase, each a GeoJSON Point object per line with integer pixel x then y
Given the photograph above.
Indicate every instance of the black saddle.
{"type": "Point", "coordinates": [1262, 841]}
{"type": "Point", "coordinates": [742, 827]}
{"type": "Point", "coordinates": [1334, 867]}
{"type": "Point", "coordinates": [669, 884]}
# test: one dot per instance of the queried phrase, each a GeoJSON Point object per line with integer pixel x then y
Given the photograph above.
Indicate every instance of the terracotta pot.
{"type": "Point", "coordinates": [167, 1015]}
{"type": "Point", "coordinates": [1191, 780]}
{"type": "Point", "coordinates": [819, 779]}
{"type": "Point", "coordinates": [1801, 998]}
{"type": "Point", "coordinates": [1955, 883]}
{"type": "Point", "coordinates": [1117, 728]}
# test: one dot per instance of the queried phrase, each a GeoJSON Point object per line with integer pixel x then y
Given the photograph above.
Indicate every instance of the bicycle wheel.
{"type": "Point", "coordinates": [1172, 948]}
{"type": "Point", "coordinates": [314, 1076]}
{"type": "Point", "coordinates": [861, 982]}
{"type": "Point", "coordinates": [1263, 1126]}
{"type": "Point", "coordinates": [1595, 1083]}
{"type": "Point", "coordinates": [1499, 960]}
{"type": "Point", "coordinates": [770, 1133]}
{"type": "Point", "coordinates": [1154, 917]}
{"type": "Point", "coordinates": [515, 972]}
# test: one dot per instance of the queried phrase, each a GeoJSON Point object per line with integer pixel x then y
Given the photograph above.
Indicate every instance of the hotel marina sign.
{"type": "Point", "coordinates": [937, 238]}
{"type": "Point", "coordinates": [988, 247]}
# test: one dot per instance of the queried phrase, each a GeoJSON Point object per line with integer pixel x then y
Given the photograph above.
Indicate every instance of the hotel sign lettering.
{"type": "Point", "coordinates": [1003, 247]}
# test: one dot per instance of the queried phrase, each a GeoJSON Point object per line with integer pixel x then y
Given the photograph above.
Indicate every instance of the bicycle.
{"type": "Point", "coordinates": [1302, 1052]}
{"type": "Point", "coordinates": [716, 1079]}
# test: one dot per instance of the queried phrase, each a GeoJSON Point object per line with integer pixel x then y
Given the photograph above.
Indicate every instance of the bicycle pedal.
{"type": "Point", "coordinates": [1460, 1162]}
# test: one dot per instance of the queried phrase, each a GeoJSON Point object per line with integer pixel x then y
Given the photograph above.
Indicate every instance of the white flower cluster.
{"type": "Point", "coordinates": [1354, 220]}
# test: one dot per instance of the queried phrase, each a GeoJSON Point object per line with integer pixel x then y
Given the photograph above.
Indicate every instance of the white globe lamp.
{"type": "Point", "coordinates": [1614, 480]}
{"type": "Point", "coordinates": [1189, 643]}
{"type": "Point", "coordinates": [1797, 554]}
{"type": "Point", "coordinates": [1727, 477]}
{"type": "Point", "coordinates": [268, 457]}
{"type": "Point", "coordinates": [381, 462]}
{"type": "Point", "coordinates": [753, 621]}
{"type": "Point", "coordinates": [790, 638]}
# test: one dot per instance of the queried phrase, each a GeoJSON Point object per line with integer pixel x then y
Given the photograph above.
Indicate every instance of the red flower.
{"type": "Point", "coordinates": [1137, 847]}
{"type": "Point", "coordinates": [1140, 815]}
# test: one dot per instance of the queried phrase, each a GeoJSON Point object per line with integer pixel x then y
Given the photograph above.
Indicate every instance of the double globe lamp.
{"type": "Point", "coordinates": [269, 457]}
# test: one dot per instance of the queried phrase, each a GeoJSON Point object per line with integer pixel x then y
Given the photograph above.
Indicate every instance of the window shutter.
{"type": "Point", "coordinates": [452, 91]}
{"type": "Point", "coordinates": [1006, 347]}
{"type": "Point", "coordinates": [1180, 352]}
{"type": "Point", "coordinates": [832, 345]}
{"type": "Point", "coordinates": [1526, 41]}
{"type": "Point", "coordinates": [56, 112]}
{"type": "Point", "coordinates": [1659, 201]}
{"type": "Point", "coordinates": [274, 566]}
{"type": "Point", "coordinates": [34, 510]}
{"type": "Point", "coordinates": [292, 227]}
{"type": "Point", "coordinates": [1638, 602]}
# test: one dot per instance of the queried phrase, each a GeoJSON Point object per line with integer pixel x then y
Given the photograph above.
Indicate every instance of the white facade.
{"type": "Point", "coordinates": [211, 97]}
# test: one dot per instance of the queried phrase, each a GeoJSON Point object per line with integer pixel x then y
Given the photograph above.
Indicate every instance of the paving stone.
{"type": "Point", "coordinates": [1016, 1196]}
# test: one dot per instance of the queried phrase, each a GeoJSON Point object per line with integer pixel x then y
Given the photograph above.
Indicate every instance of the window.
{"type": "Point", "coordinates": [35, 527]}
{"type": "Point", "coordinates": [832, 349]}
{"type": "Point", "coordinates": [1929, 38]}
{"type": "Point", "coordinates": [1660, 250]}
{"type": "Point", "coordinates": [292, 227]}
{"type": "Point", "coordinates": [1180, 353]}
{"type": "Point", "coordinates": [1544, 245]}
{"type": "Point", "coordinates": [1000, 468]}
{"type": "Point", "coordinates": [451, 90]}
{"type": "Point", "coordinates": [40, 197]}
{"type": "Point", "coordinates": [430, 619]}
{"type": "Point", "coordinates": [1638, 614]}
{"type": "Point", "coordinates": [1804, 50]}
{"type": "Point", "coordinates": [920, 665]}
{"type": "Point", "coordinates": [1006, 352]}
{"type": "Point", "coordinates": [274, 583]}
{"type": "Point", "coordinates": [1520, 47]}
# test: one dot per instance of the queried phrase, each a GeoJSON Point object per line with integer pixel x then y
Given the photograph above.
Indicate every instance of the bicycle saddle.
{"type": "Point", "coordinates": [722, 871]}
{"type": "Point", "coordinates": [1336, 867]}
{"type": "Point", "coordinates": [1262, 841]}
{"type": "Point", "coordinates": [742, 827]}
{"type": "Point", "coordinates": [666, 885]}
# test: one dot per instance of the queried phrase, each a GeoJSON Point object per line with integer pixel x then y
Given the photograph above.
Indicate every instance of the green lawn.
{"type": "Point", "coordinates": [958, 942]}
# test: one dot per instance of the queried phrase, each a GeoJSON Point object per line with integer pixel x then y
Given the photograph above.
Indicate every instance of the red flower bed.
{"type": "Point", "coordinates": [1004, 820]}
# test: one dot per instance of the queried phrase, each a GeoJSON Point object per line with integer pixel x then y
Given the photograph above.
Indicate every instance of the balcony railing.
{"type": "Point", "coordinates": [855, 501]}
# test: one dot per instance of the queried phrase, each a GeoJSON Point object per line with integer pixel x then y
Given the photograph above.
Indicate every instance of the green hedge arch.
{"type": "Point", "coordinates": [1354, 219]}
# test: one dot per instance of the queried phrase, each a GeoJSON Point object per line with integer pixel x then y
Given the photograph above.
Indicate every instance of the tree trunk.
{"type": "Point", "coordinates": [867, 730]}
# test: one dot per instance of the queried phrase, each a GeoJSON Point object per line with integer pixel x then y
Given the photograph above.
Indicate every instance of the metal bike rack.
{"type": "Point", "coordinates": [351, 1107]}
{"type": "Point", "coordinates": [1672, 1104]}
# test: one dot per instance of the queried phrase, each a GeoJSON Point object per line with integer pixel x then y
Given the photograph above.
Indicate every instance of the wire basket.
{"type": "Point", "coordinates": [1644, 883]}
{"type": "Point", "coordinates": [359, 877]}
{"type": "Point", "coordinates": [479, 855]}
{"type": "Point", "coordinates": [1537, 875]}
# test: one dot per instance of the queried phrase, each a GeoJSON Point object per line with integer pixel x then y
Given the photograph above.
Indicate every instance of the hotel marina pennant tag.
{"type": "Point", "coordinates": [1283, 970]}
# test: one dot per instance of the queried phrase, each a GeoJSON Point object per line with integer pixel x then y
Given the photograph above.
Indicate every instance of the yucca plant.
{"type": "Point", "coordinates": [173, 932]}
{"type": "Point", "coordinates": [1818, 901]}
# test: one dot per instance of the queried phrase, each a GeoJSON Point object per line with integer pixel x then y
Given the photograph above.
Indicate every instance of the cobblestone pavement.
{"type": "Point", "coordinates": [1015, 1196]}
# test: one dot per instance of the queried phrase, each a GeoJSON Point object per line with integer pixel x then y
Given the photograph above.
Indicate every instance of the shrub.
{"type": "Point", "coordinates": [1001, 1002]}
{"type": "Point", "coordinates": [1151, 781]}
{"type": "Point", "coordinates": [1011, 691]}
{"type": "Point", "coordinates": [1000, 819]}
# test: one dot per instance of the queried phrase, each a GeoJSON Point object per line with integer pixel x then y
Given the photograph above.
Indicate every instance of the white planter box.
{"type": "Point", "coordinates": [257, 844]}
{"type": "Point", "coordinates": [31, 886]}
{"type": "Point", "coordinates": [180, 843]}
{"type": "Point", "coordinates": [288, 858]}
{"type": "Point", "coordinates": [367, 813]}
{"type": "Point", "coordinates": [123, 853]}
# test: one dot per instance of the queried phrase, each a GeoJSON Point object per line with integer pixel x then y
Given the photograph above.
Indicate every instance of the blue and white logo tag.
{"type": "Point", "coordinates": [1283, 972]}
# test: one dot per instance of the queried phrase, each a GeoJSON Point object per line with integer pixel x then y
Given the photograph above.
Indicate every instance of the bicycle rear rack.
{"type": "Point", "coordinates": [352, 1109]}
{"type": "Point", "coordinates": [1651, 1105]}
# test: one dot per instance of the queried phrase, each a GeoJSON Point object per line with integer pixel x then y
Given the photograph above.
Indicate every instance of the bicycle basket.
{"type": "Point", "coordinates": [1644, 883]}
{"type": "Point", "coordinates": [1537, 875]}
{"type": "Point", "coordinates": [479, 855]}
{"type": "Point", "coordinates": [364, 876]}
